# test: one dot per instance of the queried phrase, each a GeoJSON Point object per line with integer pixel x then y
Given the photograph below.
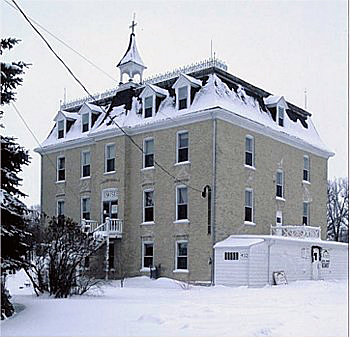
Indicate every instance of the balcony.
{"type": "Point", "coordinates": [112, 228]}
{"type": "Point", "coordinates": [296, 231]}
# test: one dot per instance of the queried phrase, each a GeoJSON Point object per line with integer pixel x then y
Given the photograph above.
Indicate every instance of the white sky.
{"type": "Point", "coordinates": [280, 46]}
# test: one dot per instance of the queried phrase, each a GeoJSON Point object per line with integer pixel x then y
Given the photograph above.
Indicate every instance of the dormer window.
{"type": "Point", "coordinates": [60, 129]}
{"type": "Point", "coordinates": [182, 97]}
{"type": "Point", "coordinates": [85, 122]}
{"type": "Point", "coordinates": [280, 116]}
{"type": "Point", "coordinates": [185, 89]}
{"type": "Point", "coordinates": [148, 107]}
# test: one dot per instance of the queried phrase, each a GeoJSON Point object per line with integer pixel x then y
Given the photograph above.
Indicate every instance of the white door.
{"type": "Point", "coordinates": [316, 259]}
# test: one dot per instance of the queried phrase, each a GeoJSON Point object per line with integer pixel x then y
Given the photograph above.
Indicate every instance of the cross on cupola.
{"type": "Point", "coordinates": [133, 24]}
{"type": "Point", "coordinates": [131, 63]}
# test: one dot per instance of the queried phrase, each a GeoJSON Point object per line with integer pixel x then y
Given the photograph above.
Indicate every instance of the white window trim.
{"type": "Point", "coordinates": [81, 206]}
{"type": "Point", "coordinates": [176, 268]}
{"type": "Point", "coordinates": [143, 268]}
{"type": "Point", "coordinates": [144, 153]}
{"type": "Point", "coordinates": [279, 213]}
{"type": "Point", "coordinates": [64, 128]}
{"type": "Point", "coordinates": [82, 164]}
{"type": "Point", "coordinates": [185, 220]}
{"type": "Point", "coordinates": [188, 102]}
{"type": "Point", "coordinates": [281, 198]}
{"type": "Point", "coordinates": [252, 223]}
{"type": "Point", "coordinates": [57, 180]}
{"type": "Point", "coordinates": [89, 122]}
{"type": "Point", "coordinates": [178, 133]}
{"type": "Point", "coordinates": [253, 152]}
{"type": "Point", "coordinates": [143, 207]}
{"type": "Point", "coordinates": [58, 201]}
{"type": "Point", "coordinates": [105, 159]}
{"type": "Point", "coordinates": [153, 105]}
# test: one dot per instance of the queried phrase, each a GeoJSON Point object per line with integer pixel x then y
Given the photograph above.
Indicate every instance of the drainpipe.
{"type": "Point", "coordinates": [271, 242]}
{"type": "Point", "coordinates": [213, 199]}
{"type": "Point", "coordinates": [107, 247]}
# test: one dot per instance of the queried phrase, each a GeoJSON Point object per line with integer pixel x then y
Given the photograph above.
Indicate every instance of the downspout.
{"type": "Point", "coordinates": [213, 197]}
{"type": "Point", "coordinates": [271, 242]}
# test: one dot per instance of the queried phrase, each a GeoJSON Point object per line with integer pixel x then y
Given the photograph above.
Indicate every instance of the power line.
{"type": "Point", "coordinates": [84, 88]}
{"type": "Point", "coordinates": [65, 44]}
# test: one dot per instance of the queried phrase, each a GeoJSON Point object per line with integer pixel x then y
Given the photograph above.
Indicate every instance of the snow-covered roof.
{"type": "Point", "coordinates": [157, 90]}
{"type": "Point", "coordinates": [184, 77]}
{"type": "Point", "coordinates": [233, 241]}
{"type": "Point", "coordinates": [272, 99]}
{"type": "Point", "coordinates": [65, 115]}
{"type": "Point", "coordinates": [236, 107]}
{"type": "Point", "coordinates": [132, 54]}
{"type": "Point", "coordinates": [94, 107]}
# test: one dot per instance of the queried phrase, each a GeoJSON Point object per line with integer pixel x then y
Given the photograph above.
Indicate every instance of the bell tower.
{"type": "Point", "coordinates": [131, 63]}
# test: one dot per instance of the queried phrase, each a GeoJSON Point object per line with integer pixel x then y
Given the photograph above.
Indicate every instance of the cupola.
{"type": "Point", "coordinates": [131, 63]}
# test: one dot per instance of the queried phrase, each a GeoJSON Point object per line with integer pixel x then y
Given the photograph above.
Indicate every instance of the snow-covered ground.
{"type": "Point", "coordinates": [165, 307]}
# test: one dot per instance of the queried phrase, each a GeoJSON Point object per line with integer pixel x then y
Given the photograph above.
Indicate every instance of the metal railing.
{"type": "Point", "coordinates": [296, 231]}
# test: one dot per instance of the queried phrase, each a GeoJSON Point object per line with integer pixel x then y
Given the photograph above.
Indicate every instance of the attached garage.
{"type": "Point", "coordinates": [255, 260]}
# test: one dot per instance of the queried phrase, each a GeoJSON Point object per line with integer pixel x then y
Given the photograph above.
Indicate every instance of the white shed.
{"type": "Point", "coordinates": [252, 260]}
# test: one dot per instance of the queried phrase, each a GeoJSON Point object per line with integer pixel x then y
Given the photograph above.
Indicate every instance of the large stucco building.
{"type": "Point", "coordinates": [135, 161]}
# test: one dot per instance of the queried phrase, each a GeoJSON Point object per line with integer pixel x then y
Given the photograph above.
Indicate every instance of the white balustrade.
{"type": "Point", "coordinates": [296, 231]}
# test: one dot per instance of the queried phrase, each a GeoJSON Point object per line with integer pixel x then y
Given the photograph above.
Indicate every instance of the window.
{"type": "Point", "coordinates": [279, 183]}
{"type": "Point", "coordinates": [85, 122]}
{"type": "Point", "coordinates": [248, 215]}
{"type": "Point", "coordinates": [147, 255]}
{"type": "Point", "coordinates": [181, 203]}
{"type": "Point", "coordinates": [110, 158]}
{"type": "Point", "coordinates": [231, 256]}
{"type": "Point", "coordinates": [148, 202]}
{"type": "Point", "coordinates": [61, 168]}
{"type": "Point", "coordinates": [60, 208]}
{"type": "Point", "coordinates": [280, 116]}
{"type": "Point", "coordinates": [60, 129]}
{"type": "Point", "coordinates": [181, 255]}
{"type": "Point", "coordinates": [249, 151]}
{"type": "Point", "coordinates": [85, 208]}
{"type": "Point", "coordinates": [148, 158]}
{"type": "Point", "coordinates": [111, 256]}
{"type": "Point", "coordinates": [182, 147]}
{"type": "Point", "coordinates": [148, 106]}
{"type": "Point", "coordinates": [306, 170]}
{"type": "Point", "coordinates": [182, 93]}
{"type": "Point", "coordinates": [279, 218]}
{"type": "Point", "coordinates": [306, 212]}
{"type": "Point", "coordinates": [85, 164]}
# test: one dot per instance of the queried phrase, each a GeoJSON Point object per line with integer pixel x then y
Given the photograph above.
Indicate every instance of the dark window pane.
{"type": "Point", "coordinates": [86, 215]}
{"type": "Point", "coordinates": [147, 262]}
{"type": "Point", "coordinates": [249, 159]}
{"type": "Point", "coordinates": [182, 211]}
{"type": "Point", "coordinates": [148, 112]}
{"type": "Point", "coordinates": [85, 127]}
{"type": "Point", "coordinates": [61, 133]}
{"type": "Point", "coordinates": [61, 175]}
{"type": "Point", "coordinates": [279, 191]}
{"type": "Point", "coordinates": [304, 220]}
{"type": "Point", "coordinates": [149, 249]}
{"type": "Point", "coordinates": [110, 164]}
{"type": "Point", "coordinates": [148, 160]}
{"type": "Point", "coordinates": [305, 175]}
{"type": "Point", "coordinates": [111, 256]}
{"type": "Point", "coordinates": [248, 214]}
{"type": "Point", "coordinates": [183, 155]}
{"type": "Point", "coordinates": [182, 262]}
{"type": "Point", "coordinates": [86, 170]}
{"type": "Point", "coordinates": [183, 103]}
{"type": "Point", "coordinates": [149, 214]}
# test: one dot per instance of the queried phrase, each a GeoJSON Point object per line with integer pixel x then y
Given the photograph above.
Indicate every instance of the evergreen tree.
{"type": "Point", "coordinates": [13, 157]}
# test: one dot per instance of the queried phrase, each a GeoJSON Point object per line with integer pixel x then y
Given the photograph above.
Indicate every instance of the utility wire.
{"type": "Point", "coordinates": [64, 43]}
{"type": "Point", "coordinates": [84, 88]}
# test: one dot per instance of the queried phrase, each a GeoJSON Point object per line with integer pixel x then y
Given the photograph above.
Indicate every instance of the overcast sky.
{"type": "Point", "coordinates": [283, 47]}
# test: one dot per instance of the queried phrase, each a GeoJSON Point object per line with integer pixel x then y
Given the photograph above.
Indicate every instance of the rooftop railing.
{"type": "Point", "coordinates": [208, 63]}
{"type": "Point", "coordinates": [296, 231]}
